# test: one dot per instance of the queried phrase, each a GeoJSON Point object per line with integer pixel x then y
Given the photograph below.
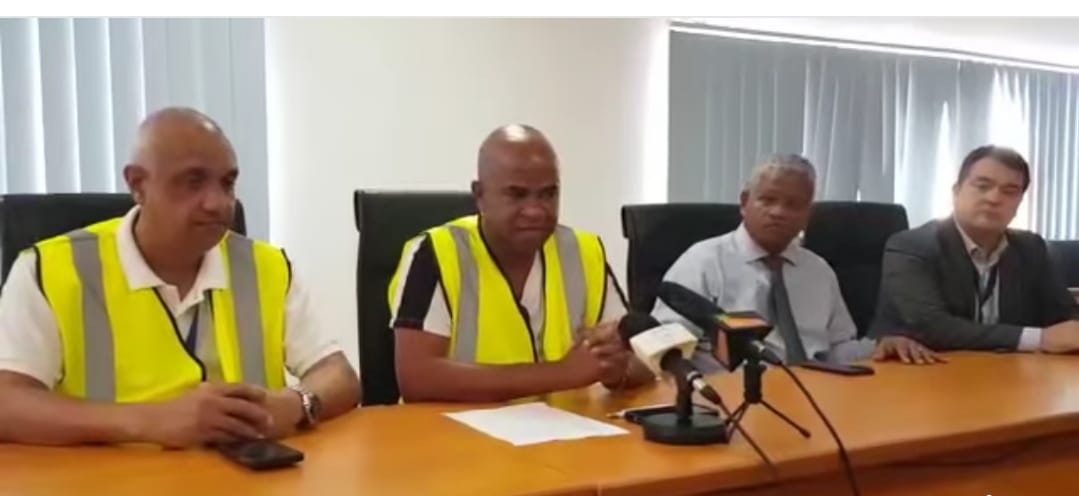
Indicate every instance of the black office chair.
{"type": "Point", "coordinates": [851, 236]}
{"type": "Point", "coordinates": [658, 234]}
{"type": "Point", "coordinates": [26, 219]}
{"type": "Point", "coordinates": [385, 221]}
{"type": "Point", "coordinates": [1065, 257]}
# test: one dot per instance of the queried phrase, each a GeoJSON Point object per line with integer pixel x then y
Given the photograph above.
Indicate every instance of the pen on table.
{"type": "Point", "coordinates": [622, 413]}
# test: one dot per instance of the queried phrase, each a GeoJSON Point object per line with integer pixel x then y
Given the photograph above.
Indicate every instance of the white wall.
{"type": "Point", "coordinates": [377, 103]}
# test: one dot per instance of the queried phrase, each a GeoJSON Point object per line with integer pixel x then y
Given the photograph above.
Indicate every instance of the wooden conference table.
{"type": "Point", "coordinates": [997, 424]}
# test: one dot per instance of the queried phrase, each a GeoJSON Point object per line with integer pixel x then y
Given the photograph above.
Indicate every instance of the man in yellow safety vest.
{"type": "Point", "coordinates": [508, 303]}
{"type": "Point", "coordinates": [164, 326]}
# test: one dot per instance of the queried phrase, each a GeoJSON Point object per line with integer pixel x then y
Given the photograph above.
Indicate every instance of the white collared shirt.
{"type": "Point", "coordinates": [30, 341]}
{"type": "Point", "coordinates": [729, 270]}
{"type": "Point", "coordinates": [1031, 337]}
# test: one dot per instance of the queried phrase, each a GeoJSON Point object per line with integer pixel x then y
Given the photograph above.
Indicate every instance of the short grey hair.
{"type": "Point", "coordinates": [782, 164]}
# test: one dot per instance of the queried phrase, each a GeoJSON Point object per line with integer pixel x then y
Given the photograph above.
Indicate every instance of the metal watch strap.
{"type": "Point", "coordinates": [307, 403]}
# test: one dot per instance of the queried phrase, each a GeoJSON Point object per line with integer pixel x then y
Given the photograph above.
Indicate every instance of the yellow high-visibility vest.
{"type": "Point", "coordinates": [122, 345]}
{"type": "Point", "coordinates": [488, 326]}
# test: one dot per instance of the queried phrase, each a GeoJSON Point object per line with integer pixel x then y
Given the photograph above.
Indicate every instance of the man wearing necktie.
{"type": "Point", "coordinates": [761, 266]}
{"type": "Point", "coordinates": [969, 282]}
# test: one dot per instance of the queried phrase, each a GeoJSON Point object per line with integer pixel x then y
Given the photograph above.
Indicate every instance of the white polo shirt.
{"type": "Point", "coordinates": [30, 341]}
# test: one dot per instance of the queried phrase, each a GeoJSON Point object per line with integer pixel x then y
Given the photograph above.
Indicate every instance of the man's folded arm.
{"type": "Point", "coordinates": [1058, 304]}
{"type": "Point", "coordinates": [32, 414]}
{"type": "Point", "coordinates": [30, 361]}
{"type": "Point", "coordinates": [908, 282]}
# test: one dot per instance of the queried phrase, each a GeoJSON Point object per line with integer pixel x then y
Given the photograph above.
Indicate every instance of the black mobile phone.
{"type": "Point", "coordinates": [260, 454]}
{"type": "Point", "coordinates": [838, 368]}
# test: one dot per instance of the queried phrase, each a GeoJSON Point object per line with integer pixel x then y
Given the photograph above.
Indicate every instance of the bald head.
{"type": "Point", "coordinates": [517, 188]}
{"type": "Point", "coordinates": [515, 146]}
{"type": "Point", "coordinates": [182, 174]}
{"type": "Point", "coordinates": [176, 130]}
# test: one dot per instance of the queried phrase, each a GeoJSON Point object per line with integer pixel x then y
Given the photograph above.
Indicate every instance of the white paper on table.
{"type": "Point", "coordinates": [532, 423]}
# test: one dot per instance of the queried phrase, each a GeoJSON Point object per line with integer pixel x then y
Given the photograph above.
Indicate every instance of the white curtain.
{"type": "Point", "coordinates": [74, 90]}
{"type": "Point", "coordinates": [879, 126]}
{"type": "Point", "coordinates": [1038, 114]}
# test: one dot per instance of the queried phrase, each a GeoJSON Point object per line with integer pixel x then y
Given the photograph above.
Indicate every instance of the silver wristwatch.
{"type": "Point", "coordinates": [312, 407]}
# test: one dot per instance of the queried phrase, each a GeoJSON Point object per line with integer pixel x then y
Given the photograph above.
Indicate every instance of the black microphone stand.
{"type": "Point", "coordinates": [751, 375]}
{"type": "Point", "coordinates": [684, 425]}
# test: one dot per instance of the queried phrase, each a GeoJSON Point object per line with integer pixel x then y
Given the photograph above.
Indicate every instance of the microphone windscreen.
{"type": "Point", "coordinates": [655, 343]}
{"type": "Point", "coordinates": [687, 303]}
{"type": "Point", "coordinates": [703, 314]}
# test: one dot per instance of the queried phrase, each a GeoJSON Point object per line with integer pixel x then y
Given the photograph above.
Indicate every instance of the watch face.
{"type": "Point", "coordinates": [316, 406]}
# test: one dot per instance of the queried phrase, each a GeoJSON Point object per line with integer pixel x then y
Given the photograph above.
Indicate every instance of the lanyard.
{"type": "Point", "coordinates": [986, 292]}
{"type": "Point", "coordinates": [191, 343]}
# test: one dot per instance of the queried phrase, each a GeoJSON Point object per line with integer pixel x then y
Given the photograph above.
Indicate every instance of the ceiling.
{"type": "Point", "coordinates": [1052, 40]}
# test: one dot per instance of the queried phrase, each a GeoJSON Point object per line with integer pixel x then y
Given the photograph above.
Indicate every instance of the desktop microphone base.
{"type": "Point", "coordinates": [698, 429]}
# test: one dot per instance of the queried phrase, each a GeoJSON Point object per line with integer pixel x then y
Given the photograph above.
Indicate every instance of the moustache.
{"type": "Point", "coordinates": [213, 222]}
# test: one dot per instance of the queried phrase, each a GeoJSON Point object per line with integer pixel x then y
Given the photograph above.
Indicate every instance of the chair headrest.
{"type": "Point", "coordinates": [1065, 257]}
{"type": "Point", "coordinates": [26, 219]}
{"type": "Point", "coordinates": [853, 232]}
{"type": "Point", "coordinates": [659, 233]}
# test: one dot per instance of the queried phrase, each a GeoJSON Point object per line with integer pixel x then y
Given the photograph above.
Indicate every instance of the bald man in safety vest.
{"type": "Point", "coordinates": [508, 303]}
{"type": "Point", "coordinates": [164, 326]}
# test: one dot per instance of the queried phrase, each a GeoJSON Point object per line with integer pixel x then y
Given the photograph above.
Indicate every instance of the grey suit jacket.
{"type": "Point", "coordinates": [928, 290]}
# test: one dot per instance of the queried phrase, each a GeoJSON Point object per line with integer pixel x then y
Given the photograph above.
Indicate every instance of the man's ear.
{"type": "Point", "coordinates": [135, 177]}
{"type": "Point", "coordinates": [477, 193]}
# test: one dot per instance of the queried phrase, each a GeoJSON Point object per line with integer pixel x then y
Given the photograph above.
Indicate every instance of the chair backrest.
{"type": "Point", "coordinates": [1065, 256]}
{"type": "Point", "coordinates": [26, 219]}
{"type": "Point", "coordinates": [658, 234]}
{"type": "Point", "coordinates": [385, 221]}
{"type": "Point", "coordinates": [851, 236]}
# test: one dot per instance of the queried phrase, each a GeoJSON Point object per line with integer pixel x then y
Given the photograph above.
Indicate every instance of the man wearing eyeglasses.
{"type": "Point", "coordinates": [968, 281]}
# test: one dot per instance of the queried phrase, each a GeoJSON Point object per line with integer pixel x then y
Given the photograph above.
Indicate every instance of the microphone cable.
{"type": "Point", "coordinates": [848, 469]}
{"type": "Point", "coordinates": [749, 439]}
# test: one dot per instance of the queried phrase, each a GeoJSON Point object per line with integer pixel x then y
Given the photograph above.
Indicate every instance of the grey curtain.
{"type": "Point", "coordinates": [73, 91]}
{"type": "Point", "coordinates": [1049, 104]}
{"type": "Point", "coordinates": [879, 126]}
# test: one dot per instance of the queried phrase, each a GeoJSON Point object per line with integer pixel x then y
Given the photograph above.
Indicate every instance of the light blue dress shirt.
{"type": "Point", "coordinates": [1031, 338]}
{"type": "Point", "coordinates": [729, 270]}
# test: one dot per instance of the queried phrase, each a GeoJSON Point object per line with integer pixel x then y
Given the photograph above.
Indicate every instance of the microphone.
{"type": "Point", "coordinates": [664, 348]}
{"type": "Point", "coordinates": [744, 330]}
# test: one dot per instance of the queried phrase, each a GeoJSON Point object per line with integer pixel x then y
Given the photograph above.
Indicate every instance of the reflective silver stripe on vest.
{"type": "Point", "coordinates": [569, 253]}
{"type": "Point", "coordinates": [466, 335]}
{"type": "Point", "coordinates": [248, 309]}
{"type": "Point", "coordinates": [468, 302]}
{"type": "Point", "coordinates": [206, 349]}
{"type": "Point", "coordinates": [97, 331]}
